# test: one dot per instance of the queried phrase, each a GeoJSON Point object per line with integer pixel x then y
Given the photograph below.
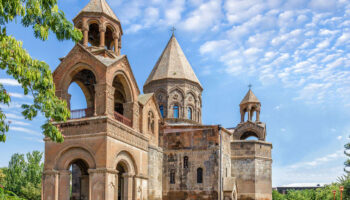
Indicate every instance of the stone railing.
{"type": "Point", "coordinates": [122, 119]}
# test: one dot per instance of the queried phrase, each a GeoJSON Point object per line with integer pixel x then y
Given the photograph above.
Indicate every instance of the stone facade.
{"type": "Point", "coordinates": [131, 146]}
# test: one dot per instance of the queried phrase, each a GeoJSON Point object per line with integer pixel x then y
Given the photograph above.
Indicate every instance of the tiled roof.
{"type": "Point", "coordinates": [99, 6]}
{"type": "Point", "coordinates": [250, 98]}
{"type": "Point", "coordinates": [172, 64]}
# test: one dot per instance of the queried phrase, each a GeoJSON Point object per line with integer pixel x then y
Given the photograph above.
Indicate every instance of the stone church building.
{"type": "Point", "coordinates": [131, 146]}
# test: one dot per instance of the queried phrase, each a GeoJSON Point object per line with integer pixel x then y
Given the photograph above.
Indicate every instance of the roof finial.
{"type": "Point", "coordinates": [173, 29]}
{"type": "Point", "coordinates": [250, 86]}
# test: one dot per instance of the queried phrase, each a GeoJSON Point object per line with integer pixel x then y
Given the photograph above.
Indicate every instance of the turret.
{"type": "Point", "coordinates": [100, 26]}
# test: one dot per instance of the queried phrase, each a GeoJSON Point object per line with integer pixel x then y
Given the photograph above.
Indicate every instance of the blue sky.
{"type": "Point", "coordinates": [295, 53]}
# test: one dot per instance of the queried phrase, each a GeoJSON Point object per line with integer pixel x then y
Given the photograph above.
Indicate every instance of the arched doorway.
{"type": "Point", "coordinates": [121, 182]}
{"type": "Point", "coordinates": [79, 180]}
{"type": "Point", "coordinates": [126, 168]}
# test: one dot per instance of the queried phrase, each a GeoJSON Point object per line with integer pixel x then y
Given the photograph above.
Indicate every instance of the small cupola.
{"type": "Point", "coordinates": [250, 104]}
{"type": "Point", "coordinates": [100, 26]}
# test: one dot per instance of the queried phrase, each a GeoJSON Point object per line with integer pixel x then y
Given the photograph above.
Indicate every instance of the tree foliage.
{"type": "Point", "coordinates": [43, 16]}
{"type": "Point", "coordinates": [325, 193]}
{"type": "Point", "coordinates": [23, 176]}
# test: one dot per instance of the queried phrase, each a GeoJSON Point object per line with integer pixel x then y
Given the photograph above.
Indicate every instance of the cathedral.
{"type": "Point", "coordinates": [130, 146]}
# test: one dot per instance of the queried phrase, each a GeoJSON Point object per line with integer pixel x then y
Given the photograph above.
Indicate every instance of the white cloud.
{"type": "Point", "coordinates": [14, 116]}
{"type": "Point", "coordinates": [340, 137]}
{"type": "Point", "coordinates": [213, 46]}
{"type": "Point", "coordinates": [203, 17]}
{"type": "Point", "coordinates": [319, 161]}
{"type": "Point", "coordinates": [10, 82]}
{"type": "Point", "coordinates": [24, 130]}
{"type": "Point", "coordinates": [343, 39]}
{"type": "Point", "coordinates": [18, 95]}
{"type": "Point", "coordinates": [20, 123]}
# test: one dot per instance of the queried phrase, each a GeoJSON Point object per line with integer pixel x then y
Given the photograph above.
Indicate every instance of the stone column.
{"type": "Point", "coordinates": [85, 187]}
{"type": "Point", "coordinates": [249, 115]}
{"type": "Point", "coordinates": [258, 115]}
{"type": "Point", "coordinates": [128, 186]}
{"type": "Point", "coordinates": [116, 43]}
{"type": "Point", "coordinates": [64, 185]}
{"type": "Point", "coordinates": [85, 30]}
{"type": "Point", "coordinates": [50, 185]}
{"type": "Point", "coordinates": [112, 184]}
{"type": "Point", "coordinates": [102, 36]}
{"type": "Point", "coordinates": [242, 116]}
{"type": "Point", "coordinates": [119, 46]}
{"type": "Point", "coordinates": [104, 99]}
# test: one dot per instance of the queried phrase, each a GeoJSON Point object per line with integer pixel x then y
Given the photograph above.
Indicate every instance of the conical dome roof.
{"type": "Point", "coordinates": [250, 98]}
{"type": "Point", "coordinates": [172, 64]}
{"type": "Point", "coordinates": [99, 6]}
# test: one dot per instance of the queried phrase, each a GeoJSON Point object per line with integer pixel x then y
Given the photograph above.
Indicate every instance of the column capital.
{"type": "Point", "coordinates": [65, 172]}
{"type": "Point", "coordinates": [128, 175]}
{"type": "Point", "coordinates": [102, 171]}
{"type": "Point", "coordinates": [50, 172]}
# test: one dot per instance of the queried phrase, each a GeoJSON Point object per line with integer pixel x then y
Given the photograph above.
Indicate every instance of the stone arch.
{"type": "Point", "coordinates": [126, 83]}
{"type": "Point", "coordinates": [164, 94]}
{"type": "Point", "coordinates": [172, 104]}
{"type": "Point", "coordinates": [70, 154]}
{"type": "Point", "coordinates": [248, 134]}
{"type": "Point", "coordinates": [178, 90]}
{"type": "Point", "coordinates": [72, 71]}
{"type": "Point", "coordinates": [191, 94]}
{"type": "Point", "coordinates": [249, 129]}
{"type": "Point", "coordinates": [128, 161]}
{"type": "Point", "coordinates": [193, 112]}
{"type": "Point", "coordinates": [94, 32]}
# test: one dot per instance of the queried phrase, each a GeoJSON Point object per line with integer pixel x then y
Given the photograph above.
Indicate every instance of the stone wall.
{"type": "Point", "coordinates": [155, 173]}
{"type": "Point", "coordinates": [251, 166]}
{"type": "Point", "coordinates": [201, 145]}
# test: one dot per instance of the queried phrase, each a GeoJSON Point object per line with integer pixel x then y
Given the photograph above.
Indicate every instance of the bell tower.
{"type": "Point", "coordinates": [100, 26]}
{"type": "Point", "coordinates": [106, 144]}
{"type": "Point", "coordinates": [251, 152]}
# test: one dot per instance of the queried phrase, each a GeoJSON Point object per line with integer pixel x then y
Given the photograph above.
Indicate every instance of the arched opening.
{"type": "Point", "coordinates": [176, 111]}
{"type": "Point", "coordinates": [82, 86]}
{"type": "Point", "coordinates": [94, 35]}
{"type": "Point", "coordinates": [76, 102]}
{"type": "Point", "coordinates": [109, 39]}
{"type": "Point", "coordinates": [249, 135]}
{"type": "Point", "coordinates": [122, 95]}
{"type": "Point", "coordinates": [172, 176]}
{"type": "Point", "coordinates": [199, 175]}
{"type": "Point", "coordinates": [79, 180]}
{"type": "Point", "coordinates": [151, 122]}
{"type": "Point", "coordinates": [161, 108]}
{"type": "Point", "coordinates": [121, 181]}
{"type": "Point", "coordinates": [186, 162]}
{"type": "Point", "coordinates": [189, 113]}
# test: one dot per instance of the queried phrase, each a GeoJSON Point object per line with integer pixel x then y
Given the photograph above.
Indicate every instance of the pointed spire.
{"type": "Point", "coordinates": [250, 97]}
{"type": "Point", "coordinates": [172, 64]}
{"type": "Point", "coordinates": [99, 6]}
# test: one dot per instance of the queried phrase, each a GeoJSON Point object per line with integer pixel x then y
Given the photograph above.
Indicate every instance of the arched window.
{"type": "Point", "coordinates": [186, 162]}
{"type": "Point", "coordinates": [189, 113]}
{"type": "Point", "coordinates": [151, 121]}
{"type": "Point", "coordinates": [161, 108]}
{"type": "Point", "coordinates": [199, 175]}
{"type": "Point", "coordinates": [176, 111]}
{"type": "Point", "coordinates": [79, 180]}
{"type": "Point", "coordinates": [172, 177]}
